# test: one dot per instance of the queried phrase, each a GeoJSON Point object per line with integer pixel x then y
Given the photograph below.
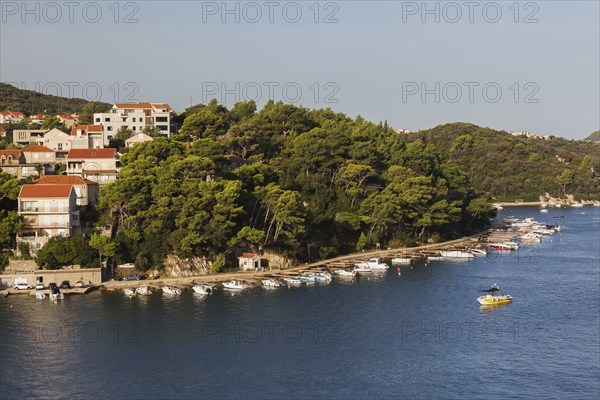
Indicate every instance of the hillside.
{"type": "Point", "coordinates": [509, 168]}
{"type": "Point", "coordinates": [30, 102]}
{"type": "Point", "coordinates": [594, 137]}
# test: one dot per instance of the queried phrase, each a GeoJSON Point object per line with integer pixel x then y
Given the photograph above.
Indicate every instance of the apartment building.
{"type": "Point", "coordinates": [98, 165]}
{"type": "Point", "coordinates": [87, 136]}
{"type": "Point", "coordinates": [25, 137]}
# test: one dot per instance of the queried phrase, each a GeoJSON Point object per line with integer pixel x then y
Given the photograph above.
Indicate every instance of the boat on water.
{"type": "Point", "coordinates": [129, 292]}
{"type": "Point", "coordinates": [234, 285]}
{"type": "Point", "coordinates": [307, 279]}
{"type": "Point", "coordinates": [497, 206]}
{"type": "Point", "coordinates": [531, 237]}
{"type": "Point", "coordinates": [171, 290]}
{"type": "Point", "coordinates": [557, 205]}
{"type": "Point", "coordinates": [202, 289]}
{"type": "Point", "coordinates": [505, 246]}
{"type": "Point", "coordinates": [401, 260]}
{"type": "Point", "coordinates": [456, 254]}
{"type": "Point", "coordinates": [576, 205]}
{"type": "Point", "coordinates": [478, 252]}
{"type": "Point", "coordinates": [57, 296]}
{"type": "Point", "coordinates": [40, 295]}
{"type": "Point", "coordinates": [544, 211]}
{"type": "Point", "coordinates": [270, 283]}
{"type": "Point", "coordinates": [143, 291]}
{"type": "Point", "coordinates": [493, 297]}
{"type": "Point", "coordinates": [344, 273]}
{"type": "Point", "coordinates": [323, 277]}
{"type": "Point", "coordinates": [292, 281]}
{"type": "Point", "coordinates": [372, 265]}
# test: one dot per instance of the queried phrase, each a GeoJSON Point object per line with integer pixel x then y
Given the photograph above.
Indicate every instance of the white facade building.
{"type": "Point", "coordinates": [135, 117]}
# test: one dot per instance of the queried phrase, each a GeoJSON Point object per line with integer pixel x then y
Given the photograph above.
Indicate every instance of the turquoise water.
{"type": "Point", "coordinates": [418, 335]}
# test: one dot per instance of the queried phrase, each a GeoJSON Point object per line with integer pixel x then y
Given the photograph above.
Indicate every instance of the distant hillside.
{"type": "Point", "coordinates": [509, 167]}
{"type": "Point", "coordinates": [30, 102]}
{"type": "Point", "coordinates": [594, 137]}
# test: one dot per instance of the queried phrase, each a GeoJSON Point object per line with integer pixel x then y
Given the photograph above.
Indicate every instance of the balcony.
{"type": "Point", "coordinates": [44, 210]}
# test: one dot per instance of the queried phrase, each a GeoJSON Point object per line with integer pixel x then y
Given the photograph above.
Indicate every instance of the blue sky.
{"type": "Point", "coordinates": [530, 66]}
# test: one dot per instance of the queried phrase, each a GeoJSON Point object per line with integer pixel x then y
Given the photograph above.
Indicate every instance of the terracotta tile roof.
{"type": "Point", "coordinates": [63, 180]}
{"type": "Point", "coordinates": [248, 255]}
{"type": "Point", "coordinates": [35, 191]}
{"type": "Point", "coordinates": [14, 153]}
{"type": "Point", "coordinates": [86, 128]}
{"type": "Point", "coordinates": [2, 129]}
{"type": "Point", "coordinates": [37, 149]}
{"type": "Point", "coordinates": [16, 114]}
{"type": "Point", "coordinates": [38, 116]}
{"type": "Point", "coordinates": [66, 116]}
{"type": "Point", "coordinates": [92, 153]}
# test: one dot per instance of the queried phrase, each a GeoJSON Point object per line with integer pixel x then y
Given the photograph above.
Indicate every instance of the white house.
{"type": "Point", "coordinates": [135, 117]}
{"type": "Point", "coordinates": [47, 211]}
{"type": "Point", "coordinates": [139, 138]}
{"type": "Point", "coordinates": [249, 262]}
{"type": "Point", "coordinates": [98, 165]}
{"type": "Point", "coordinates": [87, 136]}
{"type": "Point", "coordinates": [11, 117]}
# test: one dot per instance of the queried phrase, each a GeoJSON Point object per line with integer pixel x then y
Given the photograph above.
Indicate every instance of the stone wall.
{"type": "Point", "coordinates": [87, 275]}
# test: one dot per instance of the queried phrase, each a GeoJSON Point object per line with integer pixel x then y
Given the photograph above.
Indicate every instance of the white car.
{"type": "Point", "coordinates": [40, 286]}
{"type": "Point", "coordinates": [23, 286]}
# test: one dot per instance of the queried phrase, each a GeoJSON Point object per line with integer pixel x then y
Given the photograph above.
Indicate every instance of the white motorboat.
{"type": "Point", "coordinates": [505, 246]}
{"type": "Point", "coordinates": [478, 252]}
{"type": "Point", "coordinates": [270, 283]}
{"type": "Point", "coordinates": [401, 260]}
{"type": "Point", "coordinates": [292, 281]}
{"type": "Point", "coordinates": [531, 237]}
{"type": "Point", "coordinates": [371, 265]}
{"type": "Point", "coordinates": [344, 273]}
{"type": "Point", "coordinates": [434, 258]}
{"type": "Point", "coordinates": [171, 290]}
{"type": "Point", "coordinates": [557, 205]}
{"type": "Point", "coordinates": [323, 277]}
{"type": "Point", "coordinates": [57, 296]}
{"type": "Point", "coordinates": [40, 295]}
{"type": "Point", "coordinates": [202, 289]}
{"type": "Point", "coordinates": [497, 206]}
{"type": "Point", "coordinates": [544, 211]}
{"type": "Point", "coordinates": [456, 254]}
{"type": "Point", "coordinates": [143, 291]}
{"type": "Point", "coordinates": [234, 285]}
{"type": "Point", "coordinates": [129, 292]}
{"type": "Point", "coordinates": [576, 205]}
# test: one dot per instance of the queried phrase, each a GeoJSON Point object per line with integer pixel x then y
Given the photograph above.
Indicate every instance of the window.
{"type": "Point", "coordinates": [133, 128]}
{"type": "Point", "coordinates": [75, 217]}
{"type": "Point", "coordinates": [162, 119]}
{"type": "Point", "coordinates": [133, 120]}
{"type": "Point", "coordinates": [106, 120]}
{"type": "Point", "coordinates": [60, 146]}
{"type": "Point", "coordinates": [163, 127]}
{"type": "Point", "coordinates": [109, 128]}
{"type": "Point", "coordinates": [97, 119]}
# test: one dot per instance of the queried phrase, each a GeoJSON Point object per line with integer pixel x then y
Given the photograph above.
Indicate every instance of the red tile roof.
{"type": "Point", "coordinates": [35, 191]}
{"type": "Point", "coordinates": [16, 114]}
{"type": "Point", "coordinates": [13, 153]}
{"type": "Point", "coordinates": [92, 153]}
{"type": "Point", "coordinates": [86, 128]}
{"type": "Point", "coordinates": [63, 180]}
{"type": "Point", "coordinates": [37, 149]}
{"type": "Point", "coordinates": [66, 116]}
{"type": "Point", "coordinates": [248, 255]}
{"type": "Point", "coordinates": [2, 129]}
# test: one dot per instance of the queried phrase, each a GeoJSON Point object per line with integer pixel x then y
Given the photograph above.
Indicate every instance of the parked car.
{"type": "Point", "coordinates": [65, 285]}
{"type": "Point", "coordinates": [40, 286]}
{"type": "Point", "coordinates": [133, 277]}
{"type": "Point", "coordinates": [23, 286]}
{"type": "Point", "coordinates": [79, 284]}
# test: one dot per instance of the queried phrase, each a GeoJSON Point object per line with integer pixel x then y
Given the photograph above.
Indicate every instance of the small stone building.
{"type": "Point", "coordinates": [249, 262]}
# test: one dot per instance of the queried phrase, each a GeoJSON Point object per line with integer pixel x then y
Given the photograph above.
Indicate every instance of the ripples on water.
{"type": "Point", "coordinates": [420, 335]}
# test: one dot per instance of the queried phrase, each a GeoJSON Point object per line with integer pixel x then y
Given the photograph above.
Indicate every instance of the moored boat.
{"type": "Point", "coordinates": [234, 285]}
{"type": "Point", "coordinates": [344, 273]}
{"type": "Point", "coordinates": [504, 246]}
{"type": "Point", "coordinates": [531, 237]}
{"type": "Point", "coordinates": [478, 252]}
{"type": "Point", "coordinates": [171, 290]}
{"type": "Point", "coordinates": [456, 254]}
{"type": "Point", "coordinates": [40, 295]}
{"type": "Point", "coordinates": [401, 260]}
{"type": "Point", "coordinates": [323, 277]}
{"type": "Point", "coordinates": [544, 211]}
{"type": "Point", "coordinates": [129, 292]}
{"type": "Point", "coordinates": [270, 283]}
{"type": "Point", "coordinates": [202, 289]}
{"type": "Point", "coordinates": [292, 281]}
{"type": "Point", "coordinates": [143, 291]}
{"type": "Point", "coordinates": [576, 205]}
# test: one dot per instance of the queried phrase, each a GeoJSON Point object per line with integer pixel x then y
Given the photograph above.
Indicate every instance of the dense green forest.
{"type": "Point", "coordinates": [31, 102]}
{"type": "Point", "coordinates": [509, 168]}
{"type": "Point", "coordinates": [314, 178]}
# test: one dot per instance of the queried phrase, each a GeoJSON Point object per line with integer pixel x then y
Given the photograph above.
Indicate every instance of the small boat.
{"type": "Point", "coordinates": [557, 205]}
{"type": "Point", "coordinates": [344, 273]}
{"type": "Point", "coordinates": [171, 290]}
{"type": "Point", "coordinates": [143, 291]}
{"type": "Point", "coordinates": [270, 283]}
{"type": "Point", "coordinates": [576, 205]}
{"type": "Point", "coordinates": [497, 206]}
{"type": "Point", "coordinates": [129, 292]}
{"type": "Point", "coordinates": [544, 211]}
{"type": "Point", "coordinates": [323, 277]}
{"type": "Point", "coordinates": [202, 289]}
{"type": "Point", "coordinates": [478, 252]}
{"type": "Point", "coordinates": [493, 298]}
{"type": "Point", "coordinates": [531, 237]}
{"type": "Point", "coordinates": [292, 281]}
{"type": "Point", "coordinates": [40, 295]}
{"type": "Point", "coordinates": [307, 279]}
{"type": "Point", "coordinates": [234, 285]}
{"type": "Point", "coordinates": [57, 296]}
{"type": "Point", "coordinates": [401, 260]}
{"type": "Point", "coordinates": [371, 265]}
{"type": "Point", "coordinates": [456, 254]}
{"type": "Point", "coordinates": [505, 246]}
{"type": "Point", "coordinates": [543, 205]}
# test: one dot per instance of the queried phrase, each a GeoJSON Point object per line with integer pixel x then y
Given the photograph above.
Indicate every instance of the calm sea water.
{"type": "Point", "coordinates": [418, 335]}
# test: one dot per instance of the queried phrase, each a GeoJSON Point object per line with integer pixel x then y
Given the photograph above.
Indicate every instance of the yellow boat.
{"type": "Point", "coordinates": [492, 299]}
